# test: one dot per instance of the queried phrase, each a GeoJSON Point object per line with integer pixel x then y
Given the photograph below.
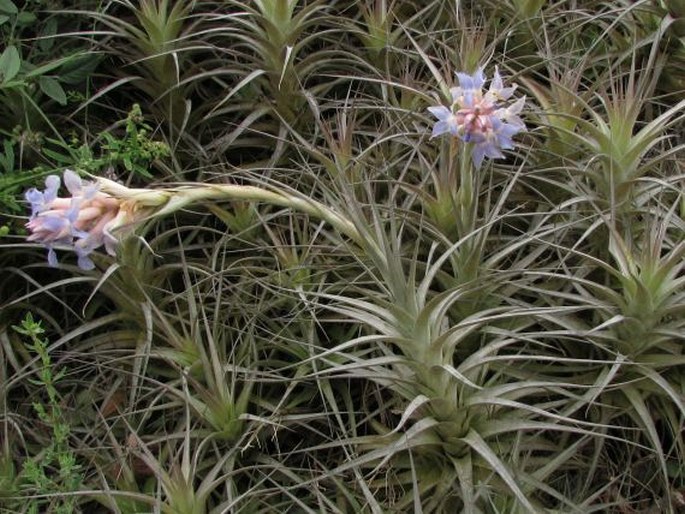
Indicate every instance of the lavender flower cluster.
{"type": "Point", "coordinates": [479, 117]}
{"type": "Point", "coordinates": [83, 221]}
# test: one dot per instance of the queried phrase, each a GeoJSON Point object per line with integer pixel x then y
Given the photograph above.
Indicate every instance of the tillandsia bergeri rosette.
{"type": "Point", "coordinates": [479, 117]}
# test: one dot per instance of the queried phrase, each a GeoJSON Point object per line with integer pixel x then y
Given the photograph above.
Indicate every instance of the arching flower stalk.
{"type": "Point", "coordinates": [101, 212]}
{"type": "Point", "coordinates": [481, 117]}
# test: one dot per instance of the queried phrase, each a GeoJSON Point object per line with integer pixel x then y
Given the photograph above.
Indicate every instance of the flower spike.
{"type": "Point", "coordinates": [102, 212]}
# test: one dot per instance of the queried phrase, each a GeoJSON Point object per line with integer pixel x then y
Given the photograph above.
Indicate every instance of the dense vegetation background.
{"type": "Point", "coordinates": [507, 338]}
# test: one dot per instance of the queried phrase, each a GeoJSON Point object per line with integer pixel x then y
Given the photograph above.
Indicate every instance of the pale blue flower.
{"type": "Point", "coordinates": [478, 117]}
{"type": "Point", "coordinates": [497, 92]}
{"type": "Point", "coordinates": [447, 121]}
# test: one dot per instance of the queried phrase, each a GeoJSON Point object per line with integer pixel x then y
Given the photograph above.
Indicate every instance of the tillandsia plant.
{"type": "Point", "coordinates": [481, 123]}
{"type": "Point", "coordinates": [102, 211]}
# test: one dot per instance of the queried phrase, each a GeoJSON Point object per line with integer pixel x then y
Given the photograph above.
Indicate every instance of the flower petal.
{"type": "Point", "coordinates": [73, 182]}
{"type": "Point", "coordinates": [510, 114]}
{"type": "Point", "coordinates": [52, 183]}
{"type": "Point", "coordinates": [440, 111]}
{"type": "Point", "coordinates": [456, 93]}
{"type": "Point", "coordinates": [497, 91]}
{"type": "Point", "coordinates": [36, 199]}
{"type": "Point", "coordinates": [440, 127]}
{"type": "Point", "coordinates": [52, 257]}
{"type": "Point", "coordinates": [477, 154]}
{"type": "Point", "coordinates": [73, 211]}
{"type": "Point", "coordinates": [471, 82]}
{"type": "Point", "coordinates": [85, 263]}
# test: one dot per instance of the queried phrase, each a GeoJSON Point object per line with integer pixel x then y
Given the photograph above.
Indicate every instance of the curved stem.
{"type": "Point", "coordinates": [169, 200]}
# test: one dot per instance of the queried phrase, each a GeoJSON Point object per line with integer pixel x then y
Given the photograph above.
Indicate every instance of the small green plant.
{"type": "Point", "coordinates": [54, 471]}
{"type": "Point", "coordinates": [135, 150]}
